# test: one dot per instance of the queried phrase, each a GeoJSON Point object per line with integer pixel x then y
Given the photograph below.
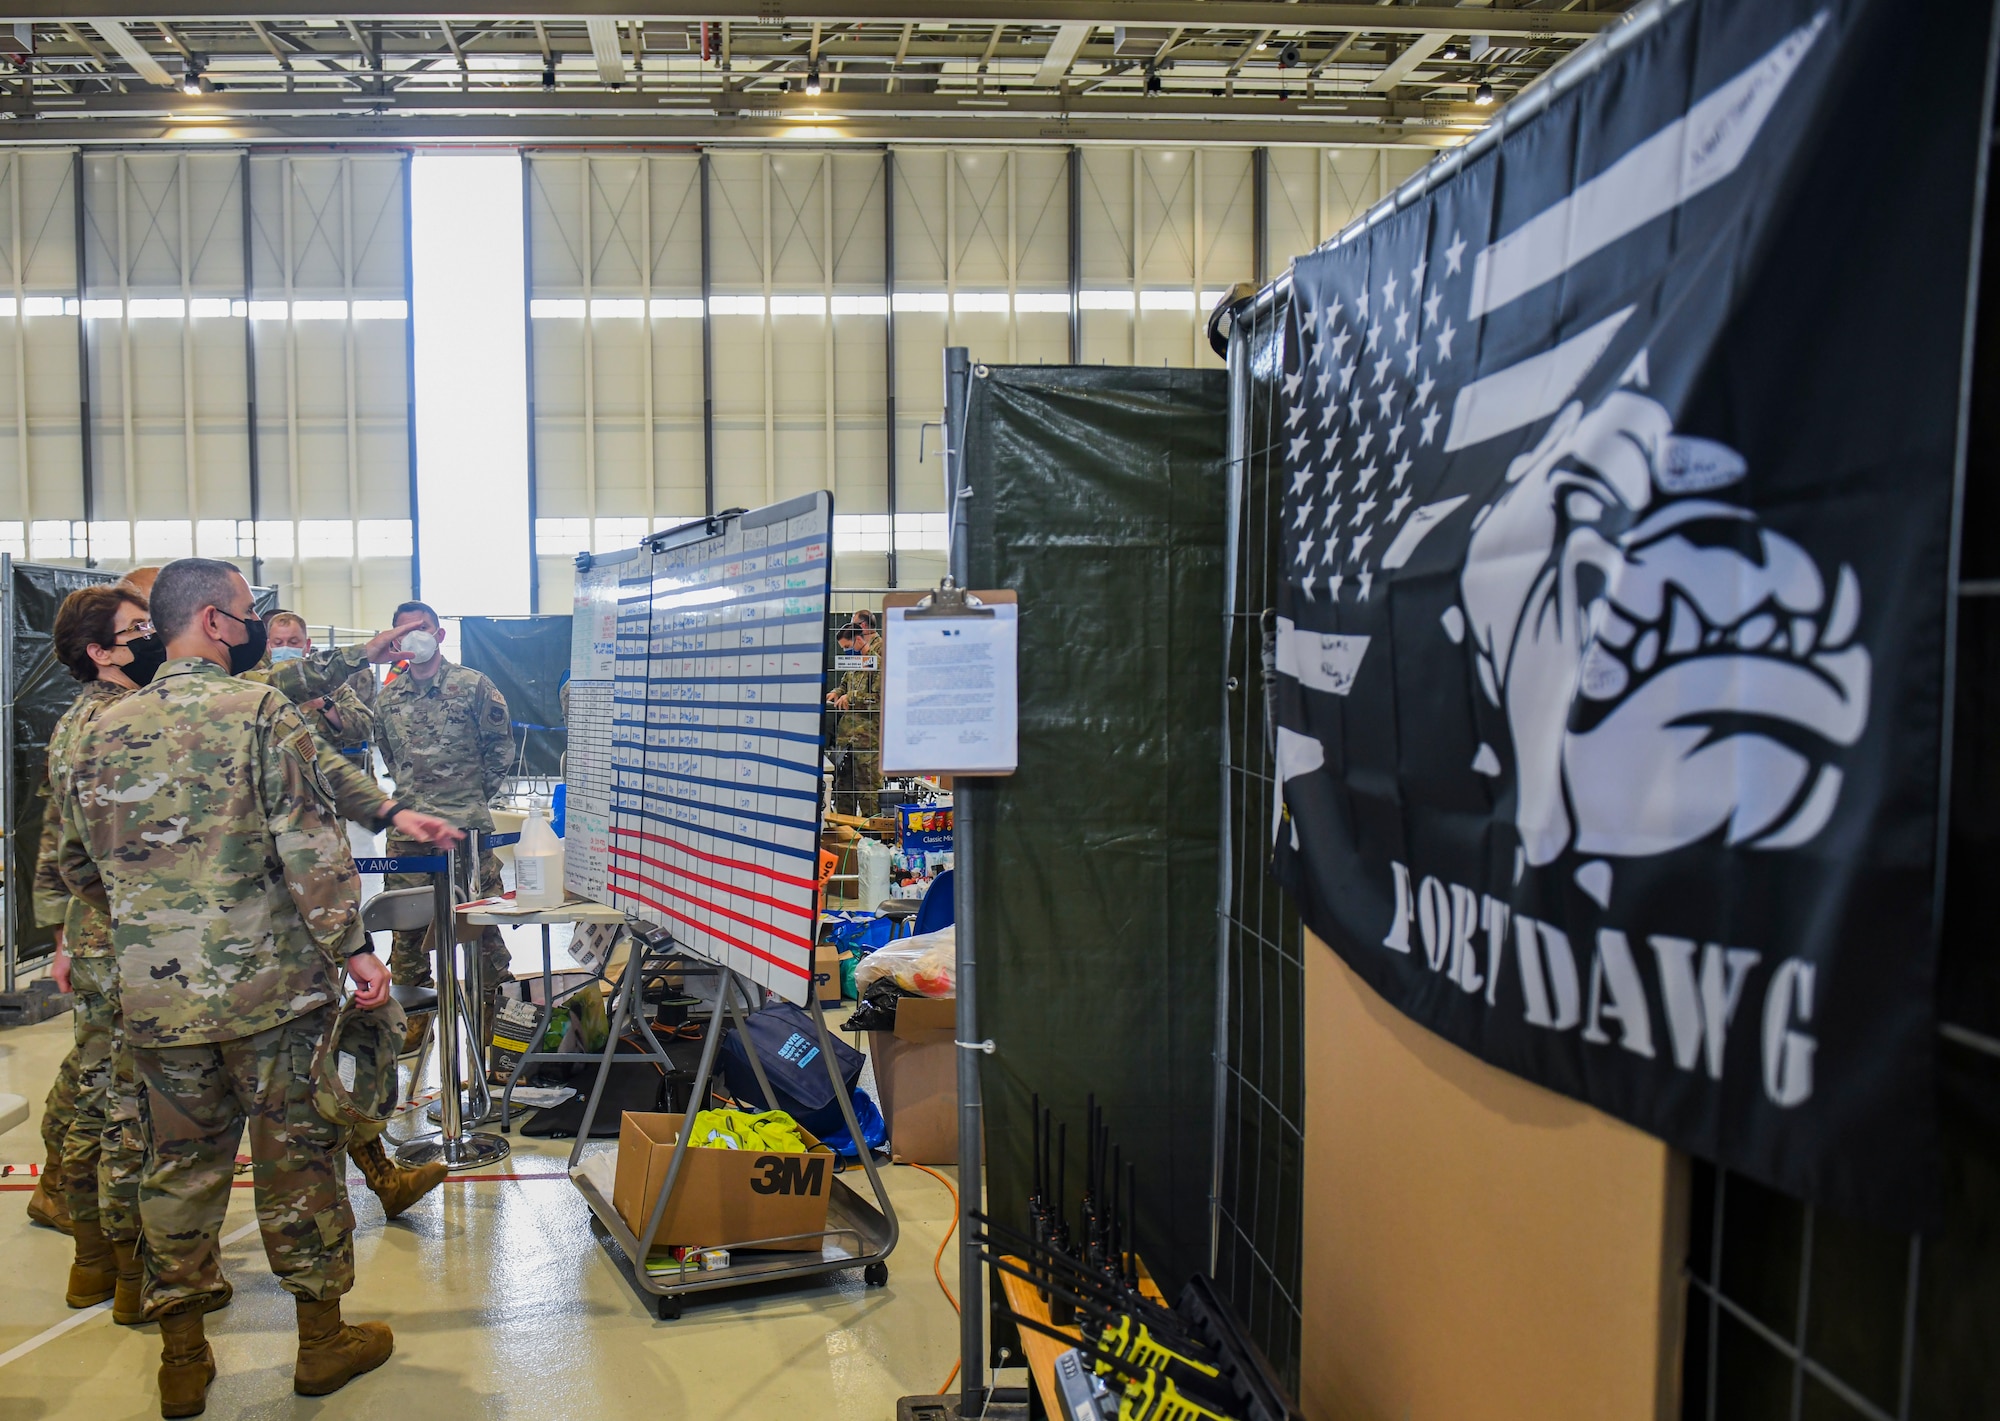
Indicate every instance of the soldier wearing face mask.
{"type": "Point", "coordinates": [446, 735]}
{"type": "Point", "coordinates": [103, 637]}
{"type": "Point", "coordinates": [341, 718]}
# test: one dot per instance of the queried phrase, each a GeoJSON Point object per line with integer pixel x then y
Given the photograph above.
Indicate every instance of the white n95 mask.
{"type": "Point", "coordinates": [420, 646]}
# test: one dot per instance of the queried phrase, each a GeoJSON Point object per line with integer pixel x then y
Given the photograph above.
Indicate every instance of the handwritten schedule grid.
{"type": "Point", "coordinates": [715, 741]}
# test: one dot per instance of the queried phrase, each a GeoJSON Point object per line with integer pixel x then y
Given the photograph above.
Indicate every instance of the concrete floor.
{"type": "Point", "coordinates": [502, 1303]}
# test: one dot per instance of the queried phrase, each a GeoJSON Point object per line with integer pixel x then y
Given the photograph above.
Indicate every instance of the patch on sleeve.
{"type": "Point", "coordinates": [302, 744]}
{"type": "Point", "coordinates": [496, 712]}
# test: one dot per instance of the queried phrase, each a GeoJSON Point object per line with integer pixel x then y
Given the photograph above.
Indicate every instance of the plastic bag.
{"type": "Point", "coordinates": [923, 965]}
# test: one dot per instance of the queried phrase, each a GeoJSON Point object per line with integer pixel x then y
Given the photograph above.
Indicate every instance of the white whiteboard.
{"type": "Point", "coordinates": [704, 818]}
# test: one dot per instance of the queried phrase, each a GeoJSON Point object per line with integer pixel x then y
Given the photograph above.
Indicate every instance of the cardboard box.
{"type": "Point", "coordinates": [826, 974]}
{"type": "Point", "coordinates": [916, 1076]}
{"type": "Point", "coordinates": [723, 1198]}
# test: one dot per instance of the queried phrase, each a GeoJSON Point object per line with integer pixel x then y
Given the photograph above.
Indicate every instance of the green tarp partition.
{"type": "Point", "coordinates": [1098, 496]}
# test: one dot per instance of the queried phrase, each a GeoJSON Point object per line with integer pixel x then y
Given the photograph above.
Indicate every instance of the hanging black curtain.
{"type": "Point", "coordinates": [1098, 496]}
{"type": "Point", "coordinates": [43, 689]}
{"type": "Point", "coordinates": [526, 658]}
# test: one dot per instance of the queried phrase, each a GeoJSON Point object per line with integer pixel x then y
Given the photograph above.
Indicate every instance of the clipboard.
{"type": "Point", "coordinates": [995, 740]}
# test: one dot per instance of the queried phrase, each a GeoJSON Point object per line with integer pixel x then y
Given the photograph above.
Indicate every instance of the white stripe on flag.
{"type": "Point", "coordinates": [1297, 755]}
{"type": "Point", "coordinates": [1418, 528]}
{"type": "Point", "coordinates": [1688, 156]}
{"type": "Point", "coordinates": [1523, 393]}
{"type": "Point", "coordinates": [1320, 661]}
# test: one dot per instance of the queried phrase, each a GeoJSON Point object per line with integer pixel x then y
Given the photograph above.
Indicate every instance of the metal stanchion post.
{"type": "Point", "coordinates": [454, 1146]}
{"type": "Point", "coordinates": [477, 1107]}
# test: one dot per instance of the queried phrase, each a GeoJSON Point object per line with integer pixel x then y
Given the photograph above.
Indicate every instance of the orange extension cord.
{"type": "Point", "coordinates": [937, 1262]}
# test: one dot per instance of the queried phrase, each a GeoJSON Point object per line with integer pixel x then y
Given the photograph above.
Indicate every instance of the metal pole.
{"type": "Point", "coordinates": [410, 383]}
{"type": "Point", "coordinates": [1260, 211]}
{"type": "Point", "coordinates": [707, 354]}
{"type": "Point", "coordinates": [971, 1127]}
{"type": "Point", "coordinates": [889, 340]}
{"type": "Point", "coordinates": [1235, 471]}
{"type": "Point", "coordinates": [250, 371]}
{"type": "Point", "coordinates": [83, 357]}
{"type": "Point", "coordinates": [446, 946]}
{"type": "Point", "coordinates": [1075, 219]}
{"type": "Point", "coordinates": [8, 874]}
{"type": "Point", "coordinates": [528, 323]}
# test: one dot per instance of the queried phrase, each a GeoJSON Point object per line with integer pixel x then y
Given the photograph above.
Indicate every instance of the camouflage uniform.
{"type": "Point", "coordinates": [104, 1149]}
{"type": "Point", "coordinates": [449, 745]}
{"type": "Point", "coordinates": [234, 904]}
{"type": "Point", "coordinates": [59, 1107]}
{"type": "Point", "coordinates": [858, 730]}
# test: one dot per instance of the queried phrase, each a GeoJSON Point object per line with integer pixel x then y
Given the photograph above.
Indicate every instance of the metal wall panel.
{"type": "Point", "coordinates": [163, 302]}
{"type": "Point", "coordinates": [40, 452]}
{"type": "Point", "coordinates": [799, 315]}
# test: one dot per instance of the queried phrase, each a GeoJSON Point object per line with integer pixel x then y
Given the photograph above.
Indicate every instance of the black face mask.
{"type": "Point", "coordinates": [249, 653]}
{"type": "Point", "coordinates": [149, 653]}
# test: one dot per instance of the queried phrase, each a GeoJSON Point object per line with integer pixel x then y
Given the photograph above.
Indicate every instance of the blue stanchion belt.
{"type": "Point", "coordinates": [435, 863]}
{"type": "Point", "coordinates": [498, 841]}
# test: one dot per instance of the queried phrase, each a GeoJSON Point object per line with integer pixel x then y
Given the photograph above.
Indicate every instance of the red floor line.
{"type": "Point", "coordinates": [357, 1179]}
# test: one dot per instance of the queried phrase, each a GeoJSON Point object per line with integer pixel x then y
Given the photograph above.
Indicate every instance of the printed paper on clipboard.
{"type": "Point", "coordinates": [950, 690]}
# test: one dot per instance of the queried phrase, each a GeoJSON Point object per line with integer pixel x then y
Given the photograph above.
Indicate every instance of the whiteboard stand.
{"type": "Point", "coordinates": [858, 1234]}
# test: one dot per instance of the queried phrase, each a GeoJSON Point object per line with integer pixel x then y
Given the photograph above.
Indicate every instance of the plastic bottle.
{"type": "Point", "coordinates": [538, 865]}
{"type": "Point", "coordinates": [873, 861]}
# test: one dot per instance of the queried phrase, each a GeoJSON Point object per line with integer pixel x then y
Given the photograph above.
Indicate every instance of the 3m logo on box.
{"type": "Point", "coordinates": [791, 1174]}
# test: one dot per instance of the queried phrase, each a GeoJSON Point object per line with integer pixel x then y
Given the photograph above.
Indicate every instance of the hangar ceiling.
{"type": "Point", "coordinates": [1006, 71]}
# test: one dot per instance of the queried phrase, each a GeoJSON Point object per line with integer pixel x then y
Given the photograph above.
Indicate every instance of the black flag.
{"type": "Point", "coordinates": [1620, 486]}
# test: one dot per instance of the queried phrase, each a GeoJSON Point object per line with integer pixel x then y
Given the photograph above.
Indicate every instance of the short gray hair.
{"type": "Point", "coordinates": [185, 587]}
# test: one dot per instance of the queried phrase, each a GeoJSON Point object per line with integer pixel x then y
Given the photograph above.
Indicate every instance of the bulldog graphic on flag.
{"type": "Point", "coordinates": [1608, 658]}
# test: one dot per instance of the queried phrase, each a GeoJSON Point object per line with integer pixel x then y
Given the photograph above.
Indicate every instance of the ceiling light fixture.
{"type": "Point", "coordinates": [549, 77]}
{"type": "Point", "coordinates": [1449, 52]}
{"type": "Point", "coordinates": [1152, 80]}
{"type": "Point", "coordinates": [1483, 94]}
{"type": "Point", "coordinates": [191, 79]}
{"type": "Point", "coordinates": [812, 82]}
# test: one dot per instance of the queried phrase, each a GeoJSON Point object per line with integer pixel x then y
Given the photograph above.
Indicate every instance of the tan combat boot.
{"type": "Point", "coordinates": [333, 1353]}
{"type": "Point", "coordinates": [93, 1277]}
{"type": "Point", "coordinates": [397, 1186]}
{"type": "Point", "coordinates": [187, 1365]}
{"type": "Point", "coordinates": [128, 1304]}
{"type": "Point", "coordinates": [47, 1206]}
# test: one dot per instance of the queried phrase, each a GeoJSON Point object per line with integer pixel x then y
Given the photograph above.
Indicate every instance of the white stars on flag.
{"type": "Point", "coordinates": [1360, 356]}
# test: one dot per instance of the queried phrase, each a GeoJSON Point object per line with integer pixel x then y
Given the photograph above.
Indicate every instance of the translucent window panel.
{"type": "Point", "coordinates": [163, 539]}
{"type": "Point", "coordinates": [383, 538]}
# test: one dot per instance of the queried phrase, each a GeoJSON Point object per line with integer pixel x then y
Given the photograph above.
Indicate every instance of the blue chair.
{"type": "Point", "coordinates": [938, 909]}
{"type": "Point", "coordinates": [924, 915]}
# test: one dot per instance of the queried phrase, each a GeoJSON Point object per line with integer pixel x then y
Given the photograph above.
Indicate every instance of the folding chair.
{"type": "Point", "coordinates": [407, 910]}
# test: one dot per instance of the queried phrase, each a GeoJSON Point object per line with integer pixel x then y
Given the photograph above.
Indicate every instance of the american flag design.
{"type": "Point", "coordinates": [1607, 671]}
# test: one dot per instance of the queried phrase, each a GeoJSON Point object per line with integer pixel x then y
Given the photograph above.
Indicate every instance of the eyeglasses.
{"type": "Point", "coordinates": [135, 631]}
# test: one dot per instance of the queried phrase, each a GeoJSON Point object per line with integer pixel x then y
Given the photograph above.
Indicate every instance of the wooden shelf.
{"type": "Point", "coordinates": [1042, 1349]}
